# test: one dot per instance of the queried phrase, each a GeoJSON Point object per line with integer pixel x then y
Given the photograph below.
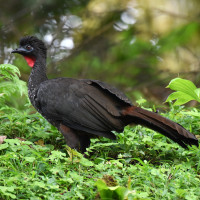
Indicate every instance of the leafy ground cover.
{"type": "Point", "coordinates": [142, 164]}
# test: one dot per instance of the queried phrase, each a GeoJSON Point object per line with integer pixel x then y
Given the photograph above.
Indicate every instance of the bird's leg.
{"type": "Point", "coordinates": [71, 137]}
{"type": "Point", "coordinates": [75, 139]}
{"type": "Point", "coordinates": [84, 139]}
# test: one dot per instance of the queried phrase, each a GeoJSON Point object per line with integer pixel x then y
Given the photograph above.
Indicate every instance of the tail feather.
{"type": "Point", "coordinates": [161, 124]}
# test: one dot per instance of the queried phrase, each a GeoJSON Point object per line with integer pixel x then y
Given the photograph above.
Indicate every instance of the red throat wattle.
{"type": "Point", "coordinates": [30, 60]}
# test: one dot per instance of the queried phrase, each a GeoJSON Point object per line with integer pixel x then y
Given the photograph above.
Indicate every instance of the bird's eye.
{"type": "Point", "coordinates": [28, 47]}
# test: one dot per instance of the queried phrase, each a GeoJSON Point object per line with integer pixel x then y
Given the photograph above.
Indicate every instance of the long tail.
{"type": "Point", "coordinates": [161, 124]}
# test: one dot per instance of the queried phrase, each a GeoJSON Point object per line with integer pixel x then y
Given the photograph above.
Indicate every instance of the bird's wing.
{"type": "Point", "coordinates": [80, 105]}
{"type": "Point", "coordinates": [112, 90]}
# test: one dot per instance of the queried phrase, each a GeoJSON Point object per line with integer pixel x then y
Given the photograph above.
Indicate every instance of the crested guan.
{"type": "Point", "coordinates": [82, 109]}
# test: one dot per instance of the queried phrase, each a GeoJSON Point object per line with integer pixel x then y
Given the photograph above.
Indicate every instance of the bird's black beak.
{"type": "Point", "coordinates": [19, 50]}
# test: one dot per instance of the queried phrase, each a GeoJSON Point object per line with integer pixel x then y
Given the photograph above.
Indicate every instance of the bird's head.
{"type": "Point", "coordinates": [31, 48]}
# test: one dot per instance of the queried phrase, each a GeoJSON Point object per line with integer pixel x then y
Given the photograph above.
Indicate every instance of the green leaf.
{"type": "Point", "coordinates": [181, 193]}
{"type": "Point", "coordinates": [10, 82]}
{"type": "Point", "coordinates": [12, 142]}
{"type": "Point", "coordinates": [85, 162]}
{"type": "Point", "coordinates": [101, 184]}
{"type": "Point", "coordinates": [181, 97]}
{"type": "Point", "coordinates": [9, 71]}
{"type": "Point", "coordinates": [56, 155]}
{"type": "Point", "coordinates": [7, 191]}
{"type": "Point", "coordinates": [29, 159]}
{"type": "Point", "coordinates": [141, 101]}
{"type": "Point", "coordinates": [121, 192]}
{"type": "Point", "coordinates": [3, 146]}
{"type": "Point", "coordinates": [39, 184]}
{"type": "Point", "coordinates": [106, 192]}
{"type": "Point", "coordinates": [191, 113]}
{"type": "Point", "coordinates": [185, 91]}
{"type": "Point", "coordinates": [197, 91]}
{"type": "Point", "coordinates": [184, 86]}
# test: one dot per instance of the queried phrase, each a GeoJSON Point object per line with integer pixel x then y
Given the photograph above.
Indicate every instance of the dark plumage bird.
{"type": "Point", "coordinates": [82, 109]}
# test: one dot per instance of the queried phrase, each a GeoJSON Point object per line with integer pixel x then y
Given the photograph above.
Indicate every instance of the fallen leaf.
{"type": "Point", "coordinates": [40, 142]}
{"type": "Point", "coordinates": [2, 138]}
{"type": "Point", "coordinates": [198, 136]}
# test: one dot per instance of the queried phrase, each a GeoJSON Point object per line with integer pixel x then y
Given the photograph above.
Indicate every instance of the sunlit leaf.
{"type": "Point", "coordinates": [181, 98]}
{"type": "Point", "coordinates": [3, 146]}
{"type": "Point", "coordinates": [197, 91]}
{"type": "Point", "coordinates": [9, 71]}
{"type": "Point", "coordinates": [29, 159]}
{"type": "Point", "coordinates": [184, 86]}
{"type": "Point", "coordinates": [115, 192]}
{"type": "Point", "coordinates": [185, 91]}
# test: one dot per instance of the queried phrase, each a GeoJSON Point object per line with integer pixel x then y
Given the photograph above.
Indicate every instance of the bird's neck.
{"type": "Point", "coordinates": [37, 76]}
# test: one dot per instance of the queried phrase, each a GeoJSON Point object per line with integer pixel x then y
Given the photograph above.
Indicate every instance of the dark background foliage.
{"type": "Point", "coordinates": [136, 45]}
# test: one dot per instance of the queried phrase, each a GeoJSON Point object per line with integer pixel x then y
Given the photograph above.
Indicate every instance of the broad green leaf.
{"type": "Point", "coordinates": [197, 91]}
{"type": "Point", "coordinates": [181, 98]}
{"type": "Point", "coordinates": [184, 86]}
{"type": "Point", "coordinates": [13, 142]}
{"type": "Point", "coordinates": [54, 170]}
{"type": "Point", "coordinates": [86, 162]}
{"type": "Point", "coordinates": [76, 177]}
{"type": "Point", "coordinates": [101, 184]}
{"type": "Point", "coordinates": [29, 159]}
{"type": "Point", "coordinates": [55, 155]}
{"type": "Point", "coordinates": [39, 184]}
{"type": "Point", "coordinates": [106, 192]}
{"type": "Point", "coordinates": [121, 192]}
{"type": "Point", "coordinates": [3, 146]}
{"type": "Point", "coordinates": [185, 91]}
{"type": "Point", "coordinates": [7, 191]}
